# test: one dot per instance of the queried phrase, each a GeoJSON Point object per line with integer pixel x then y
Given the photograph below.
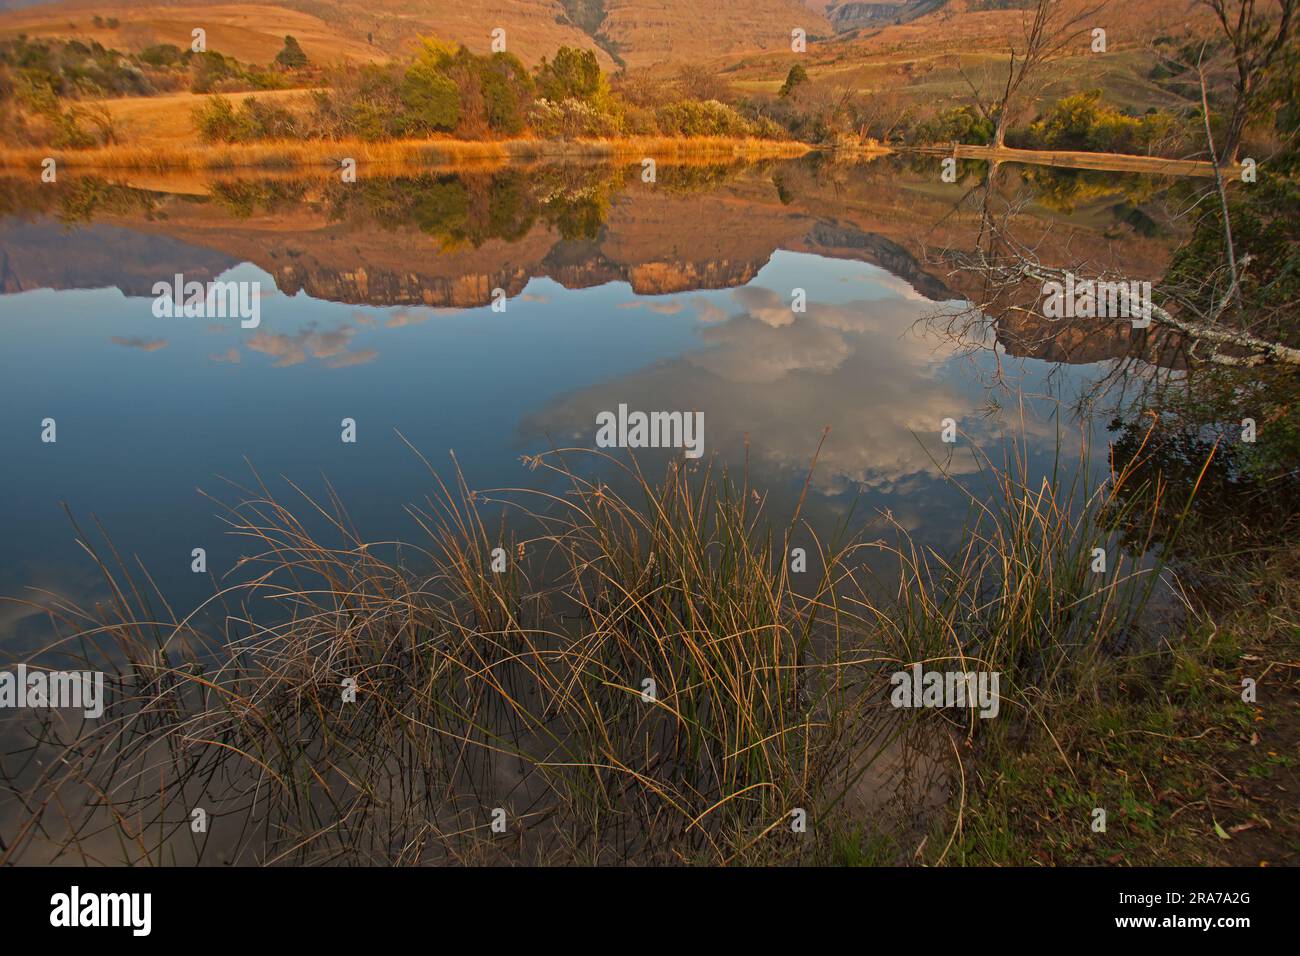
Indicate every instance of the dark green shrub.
{"type": "Point", "coordinates": [292, 56]}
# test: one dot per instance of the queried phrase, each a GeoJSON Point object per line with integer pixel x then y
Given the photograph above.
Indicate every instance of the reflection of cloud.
{"type": "Point", "coordinates": [707, 312]}
{"type": "Point", "coordinates": [765, 305]}
{"type": "Point", "coordinates": [669, 307]}
{"type": "Point", "coordinates": [353, 358]}
{"type": "Point", "coordinates": [293, 349]}
{"type": "Point", "coordinates": [400, 318]}
{"type": "Point", "coordinates": [780, 377]}
{"type": "Point", "coordinates": [230, 355]}
{"type": "Point", "coordinates": [746, 350]}
{"type": "Point", "coordinates": [754, 347]}
{"type": "Point", "coordinates": [28, 588]}
{"type": "Point", "coordinates": [144, 345]}
{"type": "Point", "coordinates": [404, 317]}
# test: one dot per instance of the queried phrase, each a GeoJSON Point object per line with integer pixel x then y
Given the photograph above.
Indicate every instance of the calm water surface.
{"type": "Point", "coordinates": [376, 306]}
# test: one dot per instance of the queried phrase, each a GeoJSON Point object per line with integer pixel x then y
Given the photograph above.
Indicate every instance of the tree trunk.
{"type": "Point", "coordinates": [1234, 132]}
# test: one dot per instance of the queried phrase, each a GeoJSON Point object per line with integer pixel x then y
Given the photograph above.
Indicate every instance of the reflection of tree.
{"type": "Point", "coordinates": [435, 204]}
{"type": "Point", "coordinates": [701, 177]}
{"type": "Point", "coordinates": [1241, 497]}
{"type": "Point", "coordinates": [1223, 346]}
{"type": "Point", "coordinates": [575, 201]}
{"type": "Point", "coordinates": [73, 200]}
{"type": "Point", "coordinates": [1064, 190]}
{"type": "Point", "coordinates": [463, 209]}
{"type": "Point", "coordinates": [441, 208]}
{"type": "Point", "coordinates": [459, 209]}
{"type": "Point", "coordinates": [247, 197]}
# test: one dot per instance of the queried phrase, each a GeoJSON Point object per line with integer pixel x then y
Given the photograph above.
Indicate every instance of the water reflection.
{"type": "Point", "coordinates": [377, 306]}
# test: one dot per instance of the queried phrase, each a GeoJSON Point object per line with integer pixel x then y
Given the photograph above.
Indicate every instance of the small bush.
{"type": "Point", "coordinates": [707, 118]}
{"type": "Point", "coordinates": [161, 55]}
{"type": "Point", "coordinates": [793, 79]}
{"type": "Point", "coordinates": [963, 124]}
{"type": "Point", "coordinates": [217, 121]}
{"type": "Point", "coordinates": [569, 119]}
{"type": "Point", "coordinates": [366, 102]}
{"type": "Point", "coordinates": [1083, 122]}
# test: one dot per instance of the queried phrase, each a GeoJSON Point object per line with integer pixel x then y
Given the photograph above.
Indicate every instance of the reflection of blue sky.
{"type": "Point", "coordinates": [138, 430]}
{"type": "Point", "coordinates": [149, 408]}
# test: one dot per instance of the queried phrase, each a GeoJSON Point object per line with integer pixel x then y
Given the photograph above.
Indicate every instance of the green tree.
{"type": "Point", "coordinates": [292, 56]}
{"type": "Point", "coordinates": [507, 91]}
{"type": "Point", "coordinates": [794, 78]}
{"type": "Point", "coordinates": [432, 99]}
{"type": "Point", "coordinates": [573, 74]}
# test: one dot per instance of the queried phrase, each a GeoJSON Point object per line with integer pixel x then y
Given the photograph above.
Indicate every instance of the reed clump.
{"type": "Point", "coordinates": [617, 669]}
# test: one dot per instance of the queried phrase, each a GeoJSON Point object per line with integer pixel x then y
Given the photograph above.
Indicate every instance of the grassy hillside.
{"type": "Point", "coordinates": [250, 32]}
{"type": "Point", "coordinates": [328, 31]}
{"type": "Point", "coordinates": [849, 39]}
{"type": "Point", "coordinates": [635, 32]}
{"type": "Point", "coordinates": [647, 32]}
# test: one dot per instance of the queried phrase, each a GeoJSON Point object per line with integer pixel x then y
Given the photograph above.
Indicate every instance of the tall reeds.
{"type": "Point", "coordinates": [636, 675]}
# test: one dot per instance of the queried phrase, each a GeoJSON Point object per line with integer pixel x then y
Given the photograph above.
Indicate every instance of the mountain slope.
{"type": "Point", "coordinates": [635, 32]}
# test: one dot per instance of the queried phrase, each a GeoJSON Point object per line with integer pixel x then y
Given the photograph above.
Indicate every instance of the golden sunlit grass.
{"type": "Point", "coordinates": [168, 119]}
{"type": "Point", "coordinates": [289, 154]}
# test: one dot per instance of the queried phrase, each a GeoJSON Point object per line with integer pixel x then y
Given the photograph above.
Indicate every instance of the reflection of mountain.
{"type": "Point", "coordinates": [1084, 341]}
{"type": "Point", "coordinates": [45, 255]}
{"type": "Point", "coordinates": [833, 239]}
{"type": "Point", "coordinates": [658, 242]}
{"type": "Point", "coordinates": [442, 240]}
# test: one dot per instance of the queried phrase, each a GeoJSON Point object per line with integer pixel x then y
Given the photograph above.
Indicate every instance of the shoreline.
{"type": "Point", "coordinates": [1079, 159]}
{"type": "Point", "coordinates": [285, 154]}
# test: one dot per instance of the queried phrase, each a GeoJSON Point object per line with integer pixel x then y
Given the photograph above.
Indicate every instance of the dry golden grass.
{"type": "Point", "coordinates": [289, 154]}
{"type": "Point", "coordinates": [169, 118]}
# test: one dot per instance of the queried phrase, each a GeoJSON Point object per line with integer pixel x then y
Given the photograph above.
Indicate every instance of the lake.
{"type": "Point", "coordinates": [496, 313]}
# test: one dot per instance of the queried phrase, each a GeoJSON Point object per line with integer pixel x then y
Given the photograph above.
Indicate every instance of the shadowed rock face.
{"type": "Point", "coordinates": [856, 15]}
